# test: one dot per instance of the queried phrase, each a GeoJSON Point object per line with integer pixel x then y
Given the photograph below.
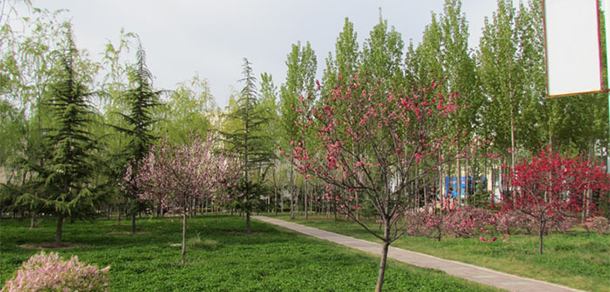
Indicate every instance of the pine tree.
{"type": "Point", "coordinates": [68, 171]}
{"type": "Point", "coordinates": [250, 142]}
{"type": "Point", "coordinates": [141, 99]}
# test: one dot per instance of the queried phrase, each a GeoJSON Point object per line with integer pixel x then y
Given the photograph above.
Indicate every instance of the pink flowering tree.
{"type": "Point", "coordinates": [373, 141]}
{"type": "Point", "coordinates": [549, 189]}
{"type": "Point", "coordinates": [174, 175]}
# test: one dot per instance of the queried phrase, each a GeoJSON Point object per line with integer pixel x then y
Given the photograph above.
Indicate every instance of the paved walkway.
{"type": "Point", "coordinates": [466, 271]}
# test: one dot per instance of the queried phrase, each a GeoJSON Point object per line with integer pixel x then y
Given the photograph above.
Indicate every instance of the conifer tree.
{"type": "Point", "coordinates": [68, 171]}
{"type": "Point", "coordinates": [249, 141]}
{"type": "Point", "coordinates": [141, 99]}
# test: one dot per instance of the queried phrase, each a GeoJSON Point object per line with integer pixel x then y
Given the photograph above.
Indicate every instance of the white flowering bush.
{"type": "Point", "coordinates": [50, 272]}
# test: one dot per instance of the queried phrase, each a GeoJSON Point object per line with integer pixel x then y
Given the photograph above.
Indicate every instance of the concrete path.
{"type": "Point", "coordinates": [466, 271]}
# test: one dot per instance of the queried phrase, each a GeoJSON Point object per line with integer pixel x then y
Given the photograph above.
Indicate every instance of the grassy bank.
{"type": "Point", "coordinates": [576, 259]}
{"type": "Point", "coordinates": [222, 258]}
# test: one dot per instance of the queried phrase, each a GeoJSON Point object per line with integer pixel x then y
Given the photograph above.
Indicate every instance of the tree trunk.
{"type": "Point", "coordinates": [357, 203]}
{"type": "Point", "coordinates": [512, 146]}
{"type": "Point", "coordinates": [458, 167]}
{"type": "Point", "coordinates": [467, 182]}
{"type": "Point", "coordinates": [32, 220]}
{"type": "Point", "coordinates": [382, 264]}
{"type": "Point", "coordinates": [335, 208]}
{"type": "Point", "coordinates": [540, 234]}
{"type": "Point", "coordinates": [248, 230]}
{"type": "Point", "coordinates": [588, 194]}
{"type": "Point", "coordinates": [194, 208]}
{"type": "Point", "coordinates": [291, 191]}
{"type": "Point", "coordinates": [305, 198]}
{"type": "Point", "coordinates": [133, 223]}
{"type": "Point", "coordinates": [275, 203]}
{"type": "Point", "coordinates": [184, 235]}
{"type": "Point", "coordinates": [60, 222]}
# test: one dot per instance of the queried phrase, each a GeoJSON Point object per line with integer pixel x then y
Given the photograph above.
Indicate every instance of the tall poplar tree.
{"type": "Point", "coordinates": [502, 78]}
{"type": "Point", "coordinates": [346, 62]}
{"type": "Point", "coordinates": [382, 53]}
{"type": "Point", "coordinates": [444, 57]}
{"type": "Point", "coordinates": [269, 103]}
{"type": "Point", "coordinates": [300, 84]}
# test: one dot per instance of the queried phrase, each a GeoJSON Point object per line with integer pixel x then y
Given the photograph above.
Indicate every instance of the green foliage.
{"type": "Point", "coordinates": [302, 65]}
{"type": "Point", "coordinates": [66, 175]}
{"type": "Point", "coordinates": [503, 79]}
{"type": "Point", "coordinates": [269, 106]}
{"type": "Point", "coordinates": [271, 259]}
{"type": "Point", "coordinates": [382, 53]}
{"type": "Point", "coordinates": [12, 131]}
{"type": "Point", "coordinates": [26, 72]}
{"type": "Point", "coordinates": [480, 196]}
{"type": "Point", "coordinates": [187, 112]}
{"type": "Point", "coordinates": [141, 101]}
{"type": "Point", "coordinates": [347, 59]}
{"type": "Point", "coordinates": [575, 259]}
{"type": "Point", "coordinates": [197, 242]}
{"type": "Point", "coordinates": [250, 141]}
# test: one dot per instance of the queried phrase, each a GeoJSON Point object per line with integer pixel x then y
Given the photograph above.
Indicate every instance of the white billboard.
{"type": "Point", "coordinates": [573, 48]}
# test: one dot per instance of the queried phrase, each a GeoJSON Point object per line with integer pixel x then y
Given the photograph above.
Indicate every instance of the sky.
{"type": "Point", "coordinates": [210, 38]}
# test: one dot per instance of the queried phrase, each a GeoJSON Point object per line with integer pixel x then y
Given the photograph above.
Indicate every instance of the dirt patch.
{"type": "Point", "coordinates": [245, 233]}
{"type": "Point", "coordinates": [50, 245]}
{"type": "Point", "coordinates": [128, 233]}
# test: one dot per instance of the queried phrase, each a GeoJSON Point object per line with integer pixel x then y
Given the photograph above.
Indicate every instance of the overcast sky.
{"type": "Point", "coordinates": [182, 37]}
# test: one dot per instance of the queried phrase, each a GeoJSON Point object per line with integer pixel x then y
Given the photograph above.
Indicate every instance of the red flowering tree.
{"type": "Point", "coordinates": [549, 189]}
{"type": "Point", "coordinates": [375, 141]}
{"type": "Point", "coordinates": [174, 175]}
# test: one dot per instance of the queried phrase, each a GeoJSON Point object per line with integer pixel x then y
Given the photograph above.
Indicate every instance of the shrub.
{"type": "Point", "coordinates": [597, 225]}
{"type": "Point", "coordinates": [463, 222]}
{"type": "Point", "coordinates": [467, 222]}
{"type": "Point", "coordinates": [562, 225]}
{"type": "Point", "coordinates": [198, 243]}
{"type": "Point", "coordinates": [50, 272]}
{"type": "Point", "coordinates": [424, 224]}
{"type": "Point", "coordinates": [513, 222]}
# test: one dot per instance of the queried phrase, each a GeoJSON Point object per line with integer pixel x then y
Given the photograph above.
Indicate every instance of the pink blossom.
{"type": "Point", "coordinates": [44, 272]}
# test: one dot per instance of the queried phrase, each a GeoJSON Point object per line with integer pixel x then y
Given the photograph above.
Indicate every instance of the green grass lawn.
{"type": "Point", "coordinates": [271, 259]}
{"type": "Point", "coordinates": [576, 259]}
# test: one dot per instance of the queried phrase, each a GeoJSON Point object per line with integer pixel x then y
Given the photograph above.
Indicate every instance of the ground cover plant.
{"type": "Point", "coordinates": [576, 259]}
{"type": "Point", "coordinates": [224, 258]}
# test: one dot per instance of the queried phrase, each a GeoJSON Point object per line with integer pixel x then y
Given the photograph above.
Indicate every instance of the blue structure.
{"type": "Point", "coordinates": [451, 187]}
